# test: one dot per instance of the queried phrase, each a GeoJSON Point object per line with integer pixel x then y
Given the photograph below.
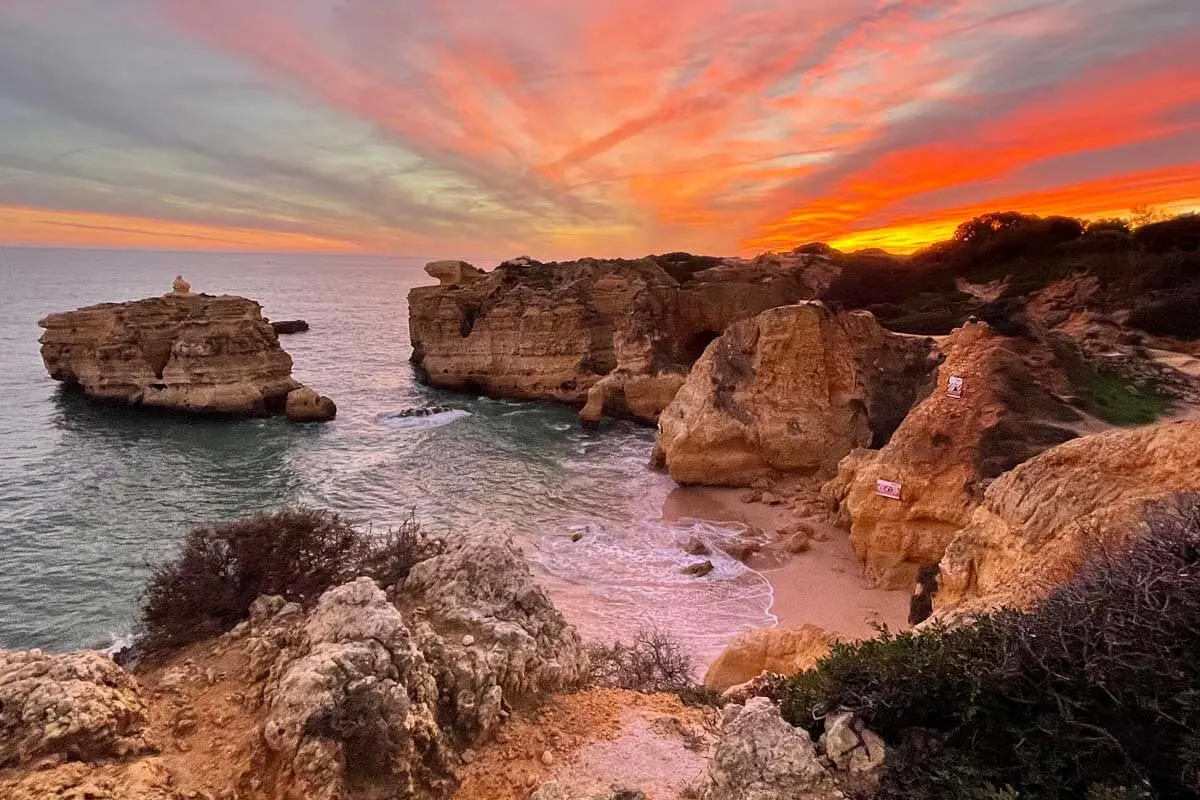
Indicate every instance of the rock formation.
{"type": "Point", "coordinates": [1038, 523]}
{"type": "Point", "coordinates": [619, 336]}
{"type": "Point", "coordinates": [359, 697]}
{"type": "Point", "coordinates": [305, 405]}
{"type": "Point", "coordinates": [792, 390]}
{"type": "Point", "coordinates": [287, 327]}
{"type": "Point", "coordinates": [948, 448]}
{"type": "Point", "coordinates": [786, 651]}
{"type": "Point", "coordinates": [185, 352]}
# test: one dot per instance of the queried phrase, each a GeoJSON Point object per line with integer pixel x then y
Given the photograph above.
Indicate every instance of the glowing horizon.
{"type": "Point", "coordinates": [613, 128]}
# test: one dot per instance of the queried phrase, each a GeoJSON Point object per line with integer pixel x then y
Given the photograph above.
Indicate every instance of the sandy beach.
{"type": "Point", "coordinates": [823, 586]}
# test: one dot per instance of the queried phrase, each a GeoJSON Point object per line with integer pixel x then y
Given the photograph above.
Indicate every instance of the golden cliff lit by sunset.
{"type": "Point", "coordinates": [492, 127]}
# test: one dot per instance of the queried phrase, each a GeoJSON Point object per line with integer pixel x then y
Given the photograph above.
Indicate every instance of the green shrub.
{"type": "Point", "coordinates": [297, 554]}
{"type": "Point", "coordinates": [1095, 693]}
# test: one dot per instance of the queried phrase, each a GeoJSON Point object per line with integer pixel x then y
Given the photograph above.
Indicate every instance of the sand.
{"type": "Point", "coordinates": [824, 586]}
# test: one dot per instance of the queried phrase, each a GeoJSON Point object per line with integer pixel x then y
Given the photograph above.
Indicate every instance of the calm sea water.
{"type": "Point", "coordinates": [91, 497]}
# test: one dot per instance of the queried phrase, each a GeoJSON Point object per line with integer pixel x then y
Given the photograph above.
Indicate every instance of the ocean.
{"type": "Point", "coordinates": [91, 498]}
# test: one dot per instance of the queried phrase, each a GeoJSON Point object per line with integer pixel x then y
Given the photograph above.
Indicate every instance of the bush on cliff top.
{"type": "Point", "coordinates": [297, 554]}
{"type": "Point", "coordinates": [1094, 693]}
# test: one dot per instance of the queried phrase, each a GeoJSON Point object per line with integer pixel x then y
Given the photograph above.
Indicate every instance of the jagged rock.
{"type": "Point", "coordinates": [186, 352]}
{"type": "Point", "coordinates": [357, 704]}
{"type": "Point", "coordinates": [761, 757]}
{"type": "Point", "coordinates": [80, 706]}
{"type": "Point", "coordinates": [947, 448]}
{"type": "Point", "coordinates": [289, 326]}
{"type": "Point", "coordinates": [144, 779]}
{"type": "Point", "coordinates": [695, 547]}
{"type": "Point", "coordinates": [521, 646]}
{"type": "Point", "coordinates": [453, 273]}
{"type": "Point", "coordinates": [536, 331]}
{"type": "Point", "coordinates": [699, 569]}
{"type": "Point", "coordinates": [851, 746]}
{"type": "Point", "coordinates": [1038, 523]}
{"type": "Point", "coordinates": [792, 390]}
{"type": "Point", "coordinates": [784, 651]}
{"type": "Point", "coordinates": [305, 405]}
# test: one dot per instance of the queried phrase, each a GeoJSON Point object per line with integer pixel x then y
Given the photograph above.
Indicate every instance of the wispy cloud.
{"type": "Point", "coordinates": [616, 127]}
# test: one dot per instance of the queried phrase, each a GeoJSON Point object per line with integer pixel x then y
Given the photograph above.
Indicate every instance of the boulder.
{"type": "Point", "coordinates": [791, 390]}
{"type": "Point", "coordinates": [851, 746]}
{"type": "Point", "coordinates": [79, 706]}
{"type": "Point", "coordinates": [1038, 523]}
{"type": "Point", "coordinates": [785, 651]}
{"type": "Point", "coordinates": [946, 450]}
{"type": "Point", "coordinates": [185, 352]}
{"type": "Point", "coordinates": [534, 331]}
{"type": "Point", "coordinates": [305, 405]}
{"type": "Point", "coordinates": [759, 756]}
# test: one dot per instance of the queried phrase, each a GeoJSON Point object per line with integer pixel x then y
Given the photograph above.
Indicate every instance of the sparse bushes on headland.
{"type": "Point", "coordinates": [1093, 693]}
{"type": "Point", "coordinates": [297, 554]}
{"type": "Point", "coordinates": [652, 661]}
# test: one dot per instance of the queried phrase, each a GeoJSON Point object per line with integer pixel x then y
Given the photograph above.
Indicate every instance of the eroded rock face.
{"type": "Point", "coordinates": [518, 645]}
{"type": "Point", "coordinates": [536, 331]}
{"type": "Point", "coordinates": [1038, 523]}
{"type": "Point", "coordinates": [791, 390]}
{"type": "Point", "coordinates": [185, 352]}
{"type": "Point", "coordinates": [761, 757]}
{"type": "Point", "coordinates": [785, 651]}
{"type": "Point", "coordinates": [79, 706]}
{"type": "Point", "coordinates": [946, 450]}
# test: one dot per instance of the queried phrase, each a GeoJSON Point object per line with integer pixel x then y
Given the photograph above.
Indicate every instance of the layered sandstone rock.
{"type": "Point", "coordinates": [1038, 523]}
{"type": "Point", "coordinates": [948, 448]}
{"type": "Point", "coordinates": [185, 352]}
{"type": "Point", "coordinates": [785, 651]}
{"type": "Point", "coordinates": [619, 336]}
{"type": "Point", "coordinates": [792, 390]}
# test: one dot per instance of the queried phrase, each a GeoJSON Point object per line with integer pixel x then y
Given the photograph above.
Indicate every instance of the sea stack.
{"type": "Point", "coordinates": [187, 352]}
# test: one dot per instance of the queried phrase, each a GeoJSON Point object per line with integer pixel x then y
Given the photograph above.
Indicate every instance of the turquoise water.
{"type": "Point", "coordinates": [90, 497]}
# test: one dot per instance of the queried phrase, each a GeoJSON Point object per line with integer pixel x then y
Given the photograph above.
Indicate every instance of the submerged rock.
{"type": "Point", "coordinates": [619, 336]}
{"type": "Point", "coordinates": [792, 390]}
{"type": "Point", "coordinates": [187, 352]}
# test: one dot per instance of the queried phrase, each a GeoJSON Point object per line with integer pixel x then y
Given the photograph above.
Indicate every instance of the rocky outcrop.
{"type": "Point", "coordinates": [1038, 523]}
{"type": "Point", "coordinates": [785, 651]}
{"type": "Point", "coordinates": [792, 390]}
{"type": "Point", "coordinates": [185, 352]}
{"type": "Point", "coordinates": [761, 757]}
{"type": "Point", "coordinates": [286, 327]}
{"type": "Point", "coordinates": [619, 336]}
{"type": "Point", "coordinates": [1006, 409]}
{"type": "Point", "coordinates": [79, 706]}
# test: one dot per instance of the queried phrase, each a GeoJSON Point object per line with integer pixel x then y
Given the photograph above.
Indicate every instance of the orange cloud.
{"type": "Point", "coordinates": [51, 227]}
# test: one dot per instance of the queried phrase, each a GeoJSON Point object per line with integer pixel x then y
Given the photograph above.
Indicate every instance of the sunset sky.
{"type": "Point", "coordinates": [563, 128]}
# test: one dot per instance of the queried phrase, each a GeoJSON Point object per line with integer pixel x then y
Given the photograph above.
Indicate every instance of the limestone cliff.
{"type": "Point", "coordinates": [947, 449]}
{"type": "Point", "coordinates": [619, 336]}
{"type": "Point", "coordinates": [792, 390]}
{"type": "Point", "coordinates": [187, 352]}
{"type": "Point", "coordinates": [1039, 522]}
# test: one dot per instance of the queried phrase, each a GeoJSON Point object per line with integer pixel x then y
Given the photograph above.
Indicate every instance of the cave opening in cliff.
{"type": "Point", "coordinates": [695, 345]}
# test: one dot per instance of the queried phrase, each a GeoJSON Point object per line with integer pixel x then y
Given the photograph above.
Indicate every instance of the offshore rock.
{"type": "Point", "coordinates": [187, 352]}
{"type": "Point", "coordinates": [79, 706]}
{"type": "Point", "coordinates": [791, 390]}
{"type": "Point", "coordinates": [1039, 523]}
{"type": "Point", "coordinates": [947, 448]}
{"type": "Point", "coordinates": [534, 331]}
{"type": "Point", "coordinates": [287, 327]}
{"type": "Point", "coordinates": [305, 405]}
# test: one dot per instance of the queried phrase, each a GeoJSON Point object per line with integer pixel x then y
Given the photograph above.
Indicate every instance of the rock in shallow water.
{"type": "Point", "coordinates": [305, 405]}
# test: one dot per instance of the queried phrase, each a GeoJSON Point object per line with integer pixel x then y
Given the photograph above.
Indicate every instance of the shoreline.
{"type": "Point", "coordinates": [823, 586]}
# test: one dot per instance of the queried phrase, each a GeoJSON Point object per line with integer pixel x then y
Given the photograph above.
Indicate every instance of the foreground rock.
{"type": "Point", "coordinates": [792, 390]}
{"type": "Point", "coordinates": [1038, 523]}
{"type": "Point", "coordinates": [786, 651]}
{"type": "Point", "coordinates": [618, 336]}
{"type": "Point", "coordinates": [194, 353]}
{"type": "Point", "coordinates": [1007, 410]}
{"type": "Point", "coordinates": [353, 699]}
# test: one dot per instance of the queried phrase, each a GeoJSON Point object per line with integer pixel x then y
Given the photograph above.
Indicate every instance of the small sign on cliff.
{"type": "Point", "coordinates": [955, 386]}
{"type": "Point", "coordinates": [888, 489]}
